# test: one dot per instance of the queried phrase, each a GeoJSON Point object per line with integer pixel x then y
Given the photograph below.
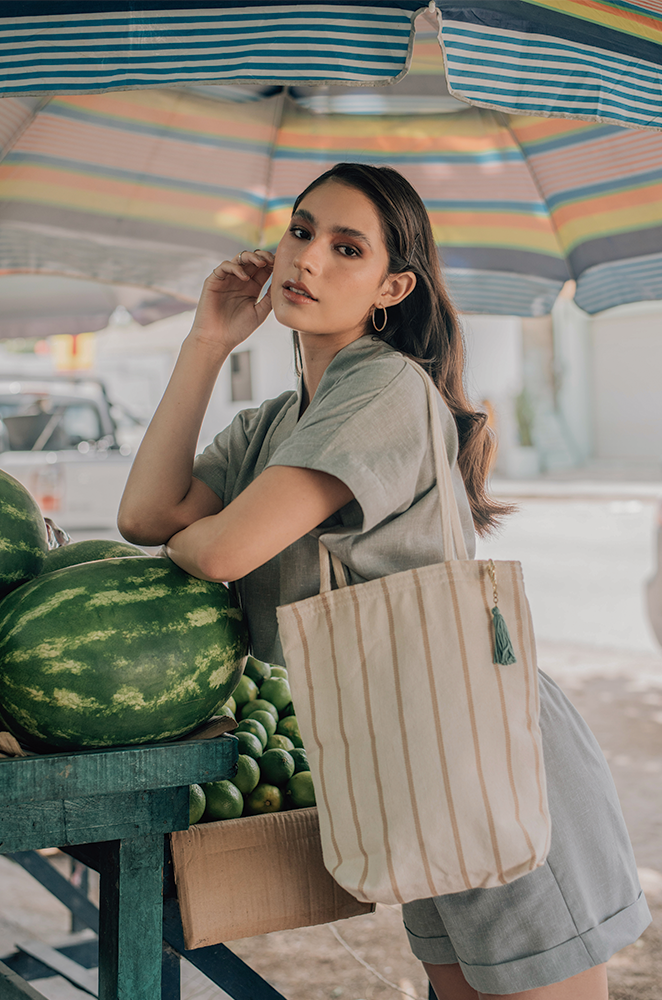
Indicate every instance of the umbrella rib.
{"type": "Point", "coordinates": [278, 121]}
{"type": "Point", "coordinates": [505, 121]}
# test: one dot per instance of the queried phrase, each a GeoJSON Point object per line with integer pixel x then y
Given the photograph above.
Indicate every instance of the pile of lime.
{"type": "Point", "coordinates": [272, 770]}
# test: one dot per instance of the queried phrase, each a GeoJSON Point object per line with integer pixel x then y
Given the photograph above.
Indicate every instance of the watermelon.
{"type": "Point", "coordinates": [116, 652]}
{"type": "Point", "coordinates": [88, 551]}
{"type": "Point", "coordinates": [23, 539]}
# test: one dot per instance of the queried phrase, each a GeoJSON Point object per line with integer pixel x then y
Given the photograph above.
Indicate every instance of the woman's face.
{"type": "Point", "coordinates": [331, 265]}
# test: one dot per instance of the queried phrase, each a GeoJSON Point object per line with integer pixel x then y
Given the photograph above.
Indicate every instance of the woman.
{"type": "Point", "coordinates": [347, 459]}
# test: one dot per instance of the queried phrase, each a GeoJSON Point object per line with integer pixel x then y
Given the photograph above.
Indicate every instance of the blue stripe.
{"type": "Point", "coordinates": [501, 293]}
{"type": "Point", "coordinates": [138, 178]}
{"type": "Point", "coordinates": [619, 282]}
{"type": "Point", "coordinates": [390, 157]}
{"type": "Point", "coordinates": [520, 46]}
{"type": "Point", "coordinates": [598, 70]}
{"type": "Point", "coordinates": [564, 85]}
{"type": "Point", "coordinates": [634, 117]}
{"type": "Point", "coordinates": [187, 46]}
{"type": "Point", "coordinates": [582, 137]}
{"type": "Point", "coordinates": [573, 107]}
{"type": "Point", "coordinates": [57, 8]}
{"type": "Point", "coordinates": [136, 64]}
{"type": "Point", "coordinates": [332, 21]}
{"type": "Point", "coordinates": [615, 186]}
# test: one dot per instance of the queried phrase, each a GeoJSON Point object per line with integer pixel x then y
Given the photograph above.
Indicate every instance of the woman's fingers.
{"type": "Point", "coordinates": [241, 267]}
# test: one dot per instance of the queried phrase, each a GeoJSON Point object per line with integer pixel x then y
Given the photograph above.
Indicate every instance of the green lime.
{"type": "Point", "coordinates": [248, 773]}
{"type": "Point", "coordinates": [278, 671]}
{"type": "Point", "coordinates": [224, 800]}
{"type": "Point", "coordinates": [246, 690]}
{"type": "Point", "coordinates": [249, 744]}
{"type": "Point", "coordinates": [290, 727]}
{"type": "Point", "coordinates": [226, 711]}
{"type": "Point", "coordinates": [300, 790]}
{"type": "Point", "coordinates": [254, 727]}
{"type": "Point", "coordinates": [264, 718]}
{"type": "Point", "coordinates": [264, 799]}
{"type": "Point", "coordinates": [278, 742]}
{"type": "Point", "coordinates": [231, 704]}
{"type": "Point", "coordinates": [276, 767]}
{"type": "Point", "coordinates": [277, 691]}
{"type": "Point", "coordinates": [287, 711]}
{"type": "Point", "coordinates": [196, 803]}
{"type": "Point", "coordinates": [300, 759]}
{"type": "Point", "coordinates": [257, 670]}
{"type": "Point", "coordinates": [259, 705]}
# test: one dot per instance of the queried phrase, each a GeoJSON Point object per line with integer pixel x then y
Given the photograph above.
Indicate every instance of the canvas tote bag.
{"type": "Point", "coordinates": [426, 755]}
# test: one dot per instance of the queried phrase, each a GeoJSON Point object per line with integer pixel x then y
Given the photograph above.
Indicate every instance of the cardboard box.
{"type": "Point", "coordinates": [241, 877]}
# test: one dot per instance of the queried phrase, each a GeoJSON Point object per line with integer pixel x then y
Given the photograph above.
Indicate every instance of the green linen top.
{"type": "Point", "coordinates": [367, 424]}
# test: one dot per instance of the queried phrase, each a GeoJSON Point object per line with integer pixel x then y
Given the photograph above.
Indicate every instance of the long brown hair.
{"type": "Point", "coordinates": [425, 325]}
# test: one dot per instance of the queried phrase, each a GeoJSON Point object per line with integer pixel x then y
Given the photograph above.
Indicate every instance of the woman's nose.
{"type": "Point", "coordinates": [307, 257]}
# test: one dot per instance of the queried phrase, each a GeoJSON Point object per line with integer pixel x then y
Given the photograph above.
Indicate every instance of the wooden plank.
{"type": "Point", "coordinates": [59, 887]}
{"type": "Point", "coordinates": [14, 987]}
{"type": "Point", "coordinates": [87, 979]}
{"type": "Point", "coordinates": [49, 777]}
{"type": "Point", "coordinates": [131, 910]}
{"type": "Point", "coordinates": [90, 819]}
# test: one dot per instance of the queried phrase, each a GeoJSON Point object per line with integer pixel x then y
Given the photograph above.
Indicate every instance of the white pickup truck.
{"type": "Point", "coordinates": [68, 444]}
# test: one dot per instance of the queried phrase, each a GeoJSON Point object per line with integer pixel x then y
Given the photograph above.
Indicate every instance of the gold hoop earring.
{"type": "Point", "coordinates": [379, 328]}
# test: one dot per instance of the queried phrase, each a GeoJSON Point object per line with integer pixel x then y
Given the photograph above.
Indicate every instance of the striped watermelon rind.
{"type": "Point", "coordinates": [23, 539]}
{"type": "Point", "coordinates": [116, 652]}
{"type": "Point", "coordinates": [88, 550]}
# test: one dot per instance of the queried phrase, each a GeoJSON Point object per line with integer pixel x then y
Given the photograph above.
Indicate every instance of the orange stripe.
{"type": "Point", "coordinates": [472, 719]}
{"type": "Point", "coordinates": [373, 745]}
{"type": "Point", "coordinates": [434, 699]}
{"type": "Point", "coordinates": [313, 722]}
{"type": "Point", "coordinates": [405, 744]}
{"type": "Point", "coordinates": [343, 734]}
{"type": "Point", "coordinates": [506, 730]}
{"type": "Point", "coordinates": [542, 804]}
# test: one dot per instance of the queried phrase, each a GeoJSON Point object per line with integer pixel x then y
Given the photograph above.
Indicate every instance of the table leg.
{"type": "Point", "coordinates": [130, 919]}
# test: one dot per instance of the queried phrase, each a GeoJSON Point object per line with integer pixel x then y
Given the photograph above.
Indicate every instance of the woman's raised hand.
{"type": "Point", "coordinates": [228, 310]}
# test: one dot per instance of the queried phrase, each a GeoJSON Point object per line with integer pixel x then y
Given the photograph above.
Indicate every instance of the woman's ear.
{"type": "Point", "coordinates": [397, 287]}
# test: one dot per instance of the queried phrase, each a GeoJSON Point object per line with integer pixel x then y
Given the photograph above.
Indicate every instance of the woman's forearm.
{"type": "Point", "coordinates": [153, 505]}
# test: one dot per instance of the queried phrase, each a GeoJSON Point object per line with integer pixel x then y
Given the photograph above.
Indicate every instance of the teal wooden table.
{"type": "Point", "coordinates": [126, 799]}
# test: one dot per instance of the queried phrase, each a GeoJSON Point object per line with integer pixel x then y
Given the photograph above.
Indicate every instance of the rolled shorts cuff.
{"type": "Point", "coordinates": [592, 947]}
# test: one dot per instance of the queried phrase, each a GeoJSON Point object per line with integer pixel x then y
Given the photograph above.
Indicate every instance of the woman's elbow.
{"type": "Point", "coordinates": [137, 531]}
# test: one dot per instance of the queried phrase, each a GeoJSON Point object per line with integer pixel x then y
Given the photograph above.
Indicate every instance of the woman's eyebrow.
{"type": "Point", "coordinates": [356, 234]}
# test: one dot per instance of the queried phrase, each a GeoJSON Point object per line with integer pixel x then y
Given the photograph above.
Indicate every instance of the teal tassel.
{"type": "Point", "coordinates": [503, 647]}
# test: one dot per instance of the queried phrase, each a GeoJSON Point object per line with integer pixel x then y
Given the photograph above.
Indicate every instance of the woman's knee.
{"type": "Point", "coordinates": [448, 982]}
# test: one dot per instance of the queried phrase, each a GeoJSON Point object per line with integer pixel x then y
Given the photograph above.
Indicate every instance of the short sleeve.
{"type": "Point", "coordinates": [369, 429]}
{"type": "Point", "coordinates": [225, 451]}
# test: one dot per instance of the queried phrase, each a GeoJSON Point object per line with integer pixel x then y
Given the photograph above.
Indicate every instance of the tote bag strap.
{"type": "Point", "coordinates": [451, 525]}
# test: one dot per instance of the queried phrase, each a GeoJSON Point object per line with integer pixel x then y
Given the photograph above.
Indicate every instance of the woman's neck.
{"type": "Point", "coordinates": [317, 353]}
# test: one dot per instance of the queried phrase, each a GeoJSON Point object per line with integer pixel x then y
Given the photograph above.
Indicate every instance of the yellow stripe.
{"type": "Point", "coordinates": [405, 743]}
{"type": "Point", "coordinates": [313, 725]}
{"type": "Point", "coordinates": [373, 745]}
{"type": "Point", "coordinates": [472, 720]}
{"type": "Point", "coordinates": [434, 700]}
{"type": "Point", "coordinates": [343, 735]}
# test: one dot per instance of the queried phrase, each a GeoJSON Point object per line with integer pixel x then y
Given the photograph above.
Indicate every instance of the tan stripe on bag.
{"type": "Point", "coordinates": [519, 611]}
{"type": "Point", "coordinates": [343, 735]}
{"type": "Point", "coordinates": [405, 743]}
{"type": "Point", "coordinates": [434, 700]}
{"type": "Point", "coordinates": [506, 728]}
{"type": "Point", "coordinates": [375, 763]}
{"type": "Point", "coordinates": [313, 722]}
{"type": "Point", "coordinates": [472, 718]}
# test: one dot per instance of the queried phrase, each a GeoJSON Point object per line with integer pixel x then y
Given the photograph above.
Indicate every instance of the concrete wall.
{"type": "Point", "coordinates": [626, 349]}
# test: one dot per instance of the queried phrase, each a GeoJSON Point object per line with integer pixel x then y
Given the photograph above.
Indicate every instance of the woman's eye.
{"type": "Point", "coordinates": [348, 251]}
{"type": "Point", "coordinates": [299, 232]}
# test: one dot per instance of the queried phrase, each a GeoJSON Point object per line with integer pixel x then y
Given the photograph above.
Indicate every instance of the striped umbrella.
{"type": "Point", "coordinates": [154, 187]}
{"type": "Point", "coordinates": [593, 59]}
{"type": "Point", "coordinates": [150, 187]}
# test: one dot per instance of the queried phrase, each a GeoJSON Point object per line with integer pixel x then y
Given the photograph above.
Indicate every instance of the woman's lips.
{"type": "Point", "coordinates": [292, 294]}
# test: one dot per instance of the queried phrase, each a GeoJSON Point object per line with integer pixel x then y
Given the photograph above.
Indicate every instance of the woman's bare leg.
{"type": "Point", "coordinates": [449, 984]}
{"type": "Point", "coordinates": [588, 985]}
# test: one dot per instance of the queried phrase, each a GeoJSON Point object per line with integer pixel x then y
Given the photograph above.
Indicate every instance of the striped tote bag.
{"type": "Point", "coordinates": [426, 754]}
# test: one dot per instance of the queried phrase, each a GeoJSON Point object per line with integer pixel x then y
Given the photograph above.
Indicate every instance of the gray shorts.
{"type": "Point", "coordinates": [583, 905]}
